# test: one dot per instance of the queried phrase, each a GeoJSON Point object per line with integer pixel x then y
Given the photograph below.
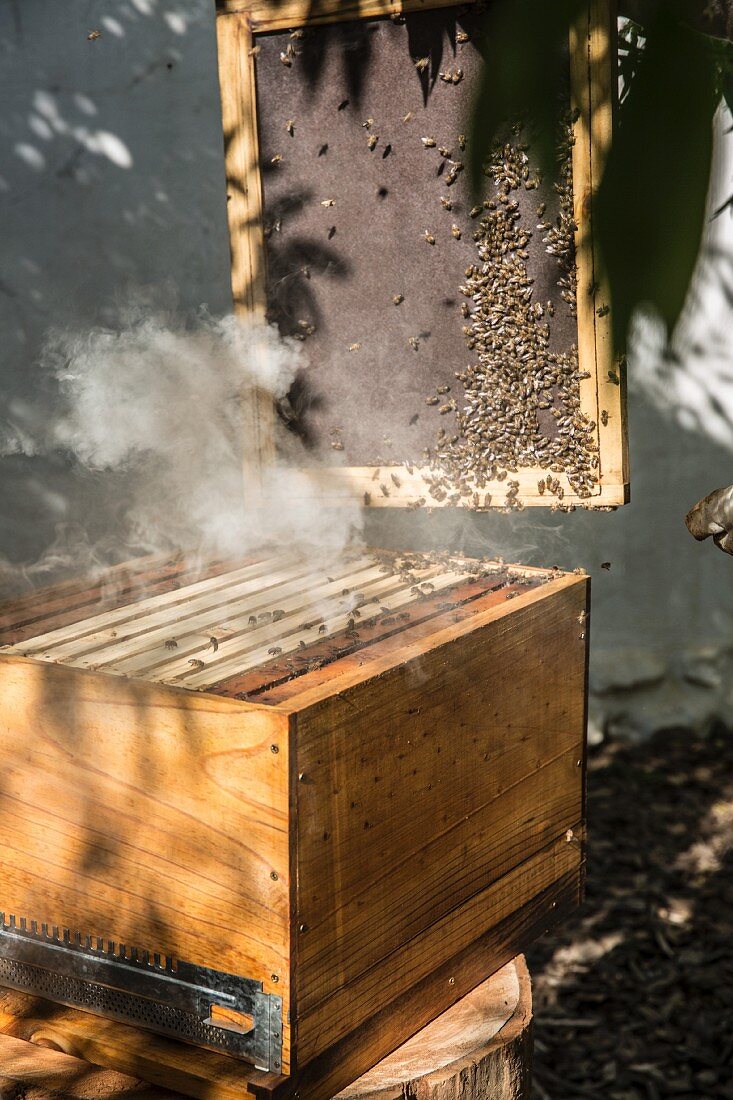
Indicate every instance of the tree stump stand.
{"type": "Point", "coordinates": [480, 1049]}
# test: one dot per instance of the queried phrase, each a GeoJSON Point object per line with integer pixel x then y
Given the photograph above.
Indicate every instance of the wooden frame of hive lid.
{"type": "Point", "coordinates": [363, 790]}
{"type": "Point", "coordinates": [244, 29]}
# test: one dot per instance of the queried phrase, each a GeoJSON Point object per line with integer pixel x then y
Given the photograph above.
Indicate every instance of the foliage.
{"type": "Point", "coordinates": [651, 207]}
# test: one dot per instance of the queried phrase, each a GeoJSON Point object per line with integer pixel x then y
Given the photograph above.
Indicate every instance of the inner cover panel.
{"type": "Point", "coordinates": [395, 280]}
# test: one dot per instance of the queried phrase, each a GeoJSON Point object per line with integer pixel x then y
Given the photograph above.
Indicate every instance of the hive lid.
{"type": "Point", "coordinates": [454, 351]}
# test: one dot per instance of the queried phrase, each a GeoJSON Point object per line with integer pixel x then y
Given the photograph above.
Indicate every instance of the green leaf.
{"type": "Point", "coordinates": [524, 44]}
{"type": "Point", "coordinates": [650, 212]}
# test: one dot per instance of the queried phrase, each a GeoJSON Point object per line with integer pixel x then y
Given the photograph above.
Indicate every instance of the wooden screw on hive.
{"type": "Point", "coordinates": [343, 795]}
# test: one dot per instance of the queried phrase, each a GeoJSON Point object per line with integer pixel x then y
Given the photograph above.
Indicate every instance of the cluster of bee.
{"type": "Point", "coordinates": [521, 405]}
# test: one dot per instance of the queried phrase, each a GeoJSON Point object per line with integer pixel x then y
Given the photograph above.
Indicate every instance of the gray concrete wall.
{"type": "Point", "coordinates": [111, 178]}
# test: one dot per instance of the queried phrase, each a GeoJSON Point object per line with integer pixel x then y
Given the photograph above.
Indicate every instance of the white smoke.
{"type": "Point", "coordinates": [154, 407]}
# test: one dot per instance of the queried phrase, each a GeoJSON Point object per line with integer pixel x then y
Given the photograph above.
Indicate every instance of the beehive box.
{"type": "Point", "coordinates": [359, 787]}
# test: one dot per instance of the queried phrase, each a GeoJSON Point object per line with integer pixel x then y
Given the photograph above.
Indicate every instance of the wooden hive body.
{"type": "Point", "coordinates": [368, 832]}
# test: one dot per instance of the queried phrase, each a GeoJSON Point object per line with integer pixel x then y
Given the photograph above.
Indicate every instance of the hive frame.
{"type": "Point", "coordinates": [593, 90]}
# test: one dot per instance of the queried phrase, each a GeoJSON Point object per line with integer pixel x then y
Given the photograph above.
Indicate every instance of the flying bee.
{"type": "Point", "coordinates": [286, 59]}
{"type": "Point", "coordinates": [429, 237]}
{"type": "Point", "coordinates": [255, 51]}
{"type": "Point", "coordinates": [290, 127]}
{"type": "Point", "coordinates": [456, 232]}
{"type": "Point", "coordinates": [407, 117]}
{"type": "Point", "coordinates": [462, 36]}
{"type": "Point", "coordinates": [277, 159]}
{"type": "Point", "coordinates": [422, 63]}
{"type": "Point", "coordinates": [328, 202]}
{"type": "Point", "coordinates": [372, 142]}
{"type": "Point", "coordinates": [368, 124]}
{"type": "Point", "coordinates": [299, 32]}
{"type": "Point", "coordinates": [445, 151]}
{"type": "Point", "coordinates": [252, 620]}
{"type": "Point", "coordinates": [322, 629]}
{"type": "Point", "coordinates": [447, 204]}
{"type": "Point", "coordinates": [354, 347]}
{"type": "Point", "coordinates": [93, 36]}
{"type": "Point", "coordinates": [213, 643]}
{"type": "Point", "coordinates": [414, 343]}
{"type": "Point", "coordinates": [428, 142]}
{"type": "Point", "coordinates": [398, 299]}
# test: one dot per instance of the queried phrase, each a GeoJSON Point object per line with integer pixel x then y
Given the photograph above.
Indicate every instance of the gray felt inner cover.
{"type": "Point", "coordinates": [333, 270]}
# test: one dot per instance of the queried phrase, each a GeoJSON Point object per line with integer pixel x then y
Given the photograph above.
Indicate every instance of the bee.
{"type": "Point", "coordinates": [354, 347]}
{"type": "Point", "coordinates": [445, 151]}
{"type": "Point", "coordinates": [372, 142]}
{"type": "Point", "coordinates": [414, 343]}
{"type": "Point", "coordinates": [443, 389]}
{"type": "Point", "coordinates": [428, 142]}
{"type": "Point", "coordinates": [429, 237]}
{"type": "Point", "coordinates": [331, 233]}
{"type": "Point", "coordinates": [456, 232]}
{"type": "Point", "coordinates": [447, 204]}
{"type": "Point", "coordinates": [368, 124]}
{"type": "Point", "coordinates": [299, 32]}
{"type": "Point", "coordinates": [286, 59]}
{"type": "Point", "coordinates": [367, 499]}
{"type": "Point", "coordinates": [582, 617]}
{"type": "Point", "coordinates": [414, 419]}
{"type": "Point", "coordinates": [541, 487]}
{"type": "Point", "coordinates": [171, 643]}
{"type": "Point", "coordinates": [475, 211]}
{"type": "Point", "coordinates": [462, 36]}
{"type": "Point", "coordinates": [275, 650]}
{"type": "Point", "coordinates": [407, 117]}
{"type": "Point", "coordinates": [252, 620]}
{"type": "Point", "coordinates": [277, 159]}
{"type": "Point", "coordinates": [322, 629]}
{"type": "Point", "coordinates": [462, 141]}
{"type": "Point", "coordinates": [255, 51]}
{"type": "Point", "coordinates": [603, 311]}
{"type": "Point", "coordinates": [385, 490]}
{"type": "Point", "coordinates": [422, 63]}
{"type": "Point", "coordinates": [93, 36]}
{"type": "Point", "coordinates": [290, 127]}
{"type": "Point", "coordinates": [336, 445]}
{"type": "Point", "coordinates": [195, 663]}
{"type": "Point", "coordinates": [606, 565]}
{"type": "Point", "coordinates": [302, 644]}
{"type": "Point", "coordinates": [213, 643]}
{"type": "Point", "coordinates": [396, 481]}
{"type": "Point", "coordinates": [450, 407]}
{"type": "Point", "coordinates": [328, 202]}
{"type": "Point", "coordinates": [398, 299]}
{"type": "Point", "coordinates": [277, 615]}
{"type": "Point", "coordinates": [604, 417]}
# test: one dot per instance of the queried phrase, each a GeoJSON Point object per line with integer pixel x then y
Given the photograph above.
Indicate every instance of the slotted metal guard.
{"type": "Point", "coordinates": [155, 992]}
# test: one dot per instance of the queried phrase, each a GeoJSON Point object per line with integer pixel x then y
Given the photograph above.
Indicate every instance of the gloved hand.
{"type": "Point", "coordinates": [713, 516]}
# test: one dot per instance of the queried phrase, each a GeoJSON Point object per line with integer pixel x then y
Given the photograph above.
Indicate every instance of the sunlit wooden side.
{"type": "Point", "coordinates": [246, 234]}
{"type": "Point", "coordinates": [593, 74]}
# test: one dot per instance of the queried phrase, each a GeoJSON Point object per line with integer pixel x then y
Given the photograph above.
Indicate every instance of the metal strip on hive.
{"type": "Point", "coordinates": [168, 997]}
